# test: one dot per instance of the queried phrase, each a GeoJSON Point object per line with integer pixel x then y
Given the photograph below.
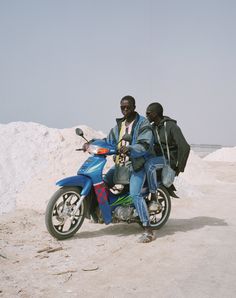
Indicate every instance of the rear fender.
{"type": "Point", "coordinates": [80, 180]}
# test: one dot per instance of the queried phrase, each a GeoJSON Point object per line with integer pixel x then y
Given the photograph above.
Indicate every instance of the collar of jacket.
{"type": "Point", "coordinates": [120, 120]}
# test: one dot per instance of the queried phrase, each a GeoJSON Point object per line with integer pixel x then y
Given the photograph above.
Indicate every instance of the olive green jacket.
{"type": "Point", "coordinates": [178, 146]}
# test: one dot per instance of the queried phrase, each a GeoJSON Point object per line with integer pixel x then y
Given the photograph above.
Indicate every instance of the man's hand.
{"type": "Point", "coordinates": [124, 150]}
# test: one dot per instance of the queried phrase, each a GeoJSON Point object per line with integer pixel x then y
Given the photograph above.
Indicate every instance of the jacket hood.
{"type": "Point", "coordinates": [165, 119]}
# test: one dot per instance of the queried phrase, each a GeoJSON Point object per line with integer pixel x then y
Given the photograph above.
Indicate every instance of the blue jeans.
{"type": "Point", "coordinates": [136, 183]}
{"type": "Point", "coordinates": [151, 166]}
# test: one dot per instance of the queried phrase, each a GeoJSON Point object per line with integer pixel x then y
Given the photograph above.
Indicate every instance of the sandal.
{"type": "Point", "coordinates": [146, 237]}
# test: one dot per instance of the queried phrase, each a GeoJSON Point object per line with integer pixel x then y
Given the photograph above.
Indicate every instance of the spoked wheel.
{"type": "Point", "coordinates": [64, 216]}
{"type": "Point", "coordinates": [159, 215]}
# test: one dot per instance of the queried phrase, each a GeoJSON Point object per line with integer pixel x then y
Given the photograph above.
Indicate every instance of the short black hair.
{"type": "Point", "coordinates": [157, 108]}
{"type": "Point", "coordinates": [129, 98]}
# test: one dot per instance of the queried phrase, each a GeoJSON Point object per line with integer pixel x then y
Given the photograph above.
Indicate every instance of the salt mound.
{"type": "Point", "coordinates": [223, 154]}
{"type": "Point", "coordinates": [30, 149]}
{"type": "Point", "coordinates": [185, 189]}
{"type": "Point", "coordinates": [197, 171]}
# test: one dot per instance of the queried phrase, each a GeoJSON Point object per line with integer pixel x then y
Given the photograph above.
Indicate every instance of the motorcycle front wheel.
{"type": "Point", "coordinates": [63, 215]}
{"type": "Point", "coordinates": [160, 216]}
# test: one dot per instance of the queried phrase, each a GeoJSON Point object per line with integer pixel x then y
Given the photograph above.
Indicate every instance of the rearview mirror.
{"type": "Point", "coordinates": [79, 132]}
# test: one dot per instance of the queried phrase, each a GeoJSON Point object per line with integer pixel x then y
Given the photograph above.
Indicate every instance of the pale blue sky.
{"type": "Point", "coordinates": [65, 63]}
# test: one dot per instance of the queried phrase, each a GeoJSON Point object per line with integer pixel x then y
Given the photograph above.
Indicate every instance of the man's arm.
{"type": "Point", "coordinates": [143, 142]}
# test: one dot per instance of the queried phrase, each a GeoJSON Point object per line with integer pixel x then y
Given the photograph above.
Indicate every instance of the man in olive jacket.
{"type": "Point", "coordinates": [178, 147]}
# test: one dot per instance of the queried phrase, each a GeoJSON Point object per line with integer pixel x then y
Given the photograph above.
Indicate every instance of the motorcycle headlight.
{"type": "Point", "coordinates": [93, 149]}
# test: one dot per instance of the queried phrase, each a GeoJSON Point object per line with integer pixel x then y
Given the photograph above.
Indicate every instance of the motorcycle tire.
{"type": "Point", "coordinates": [61, 220]}
{"type": "Point", "coordinates": [158, 219]}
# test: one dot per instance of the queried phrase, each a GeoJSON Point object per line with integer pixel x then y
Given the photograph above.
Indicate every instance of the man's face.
{"type": "Point", "coordinates": [127, 108]}
{"type": "Point", "coordinates": [150, 115]}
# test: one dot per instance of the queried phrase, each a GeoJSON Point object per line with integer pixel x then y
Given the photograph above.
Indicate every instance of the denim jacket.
{"type": "Point", "coordinates": [142, 139]}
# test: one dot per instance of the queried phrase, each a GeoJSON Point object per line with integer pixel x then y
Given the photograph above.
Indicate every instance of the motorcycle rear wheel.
{"type": "Point", "coordinates": [158, 219]}
{"type": "Point", "coordinates": [62, 218]}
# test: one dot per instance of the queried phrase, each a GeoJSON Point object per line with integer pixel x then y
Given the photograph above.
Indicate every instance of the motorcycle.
{"type": "Point", "coordinates": [87, 196]}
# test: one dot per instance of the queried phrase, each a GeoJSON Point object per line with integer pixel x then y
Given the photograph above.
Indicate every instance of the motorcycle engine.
{"type": "Point", "coordinates": [124, 213]}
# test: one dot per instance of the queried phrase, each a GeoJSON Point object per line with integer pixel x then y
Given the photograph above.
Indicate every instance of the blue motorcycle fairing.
{"type": "Point", "coordinates": [79, 180]}
{"type": "Point", "coordinates": [93, 167]}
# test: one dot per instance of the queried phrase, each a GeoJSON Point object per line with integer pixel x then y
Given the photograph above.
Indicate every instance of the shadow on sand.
{"type": "Point", "coordinates": [171, 227]}
{"type": "Point", "coordinates": [189, 224]}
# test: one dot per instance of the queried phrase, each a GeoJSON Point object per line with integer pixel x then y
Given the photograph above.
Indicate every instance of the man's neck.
{"type": "Point", "coordinates": [157, 121]}
{"type": "Point", "coordinates": [130, 118]}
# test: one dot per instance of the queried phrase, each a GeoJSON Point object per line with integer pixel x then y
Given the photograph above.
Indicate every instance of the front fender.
{"type": "Point", "coordinates": [79, 180]}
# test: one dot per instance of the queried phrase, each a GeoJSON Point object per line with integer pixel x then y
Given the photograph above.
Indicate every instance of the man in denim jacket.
{"type": "Point", "coordinates": [142, 140]}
